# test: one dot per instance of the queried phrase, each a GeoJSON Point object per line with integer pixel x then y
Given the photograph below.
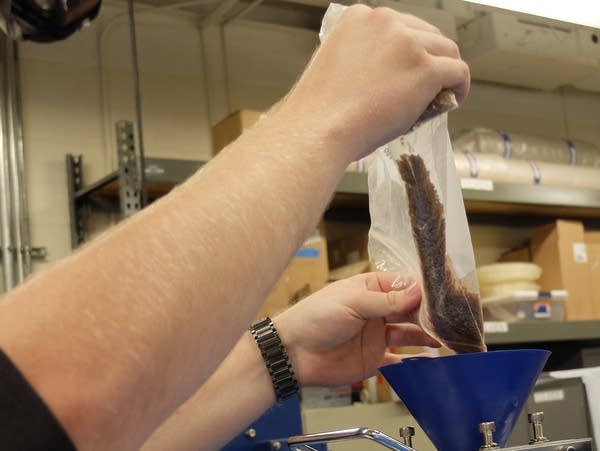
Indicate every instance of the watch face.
{"type": "Point", "coordinates": [45, 20]}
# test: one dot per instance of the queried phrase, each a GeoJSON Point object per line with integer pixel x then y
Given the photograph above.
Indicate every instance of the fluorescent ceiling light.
{"type": "Point", "coordinates": [583, 12]}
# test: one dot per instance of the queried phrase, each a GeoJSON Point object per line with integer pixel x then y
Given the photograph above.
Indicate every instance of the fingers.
{"type": "Point", "coordinates": [399, 304]}
{"type": "Point", "coordinates": [409, 335]}
{"type": "Point", "coordinates": [438, 45]}
{"type": "Point", "coordinates": [385, 281]}
{"type": "Point", "coordinates": [453, 74]}
{"type": "Point", "coordinates": [408, 20]}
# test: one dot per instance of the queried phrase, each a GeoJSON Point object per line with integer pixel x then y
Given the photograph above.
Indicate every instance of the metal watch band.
{"type": "Point", "coordinates": [276, 358]}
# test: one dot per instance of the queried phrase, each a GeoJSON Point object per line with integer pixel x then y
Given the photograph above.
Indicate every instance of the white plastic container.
{"type": "Point", "coordinates": [525, 305]}
{"type": "Point", "coordinates": [498, 273]}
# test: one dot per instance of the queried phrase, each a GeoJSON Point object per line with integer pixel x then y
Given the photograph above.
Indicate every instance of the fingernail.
{"type": "Point", "coordinates": [403, 283]}
{"type": "Point", "coordinates": [413, 291]}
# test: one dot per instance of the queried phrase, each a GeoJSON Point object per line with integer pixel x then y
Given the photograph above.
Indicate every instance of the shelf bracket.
{"type": "Point", "coordinates": [76, 206]}
{"type": "Point", "coordinates": [129, 176]}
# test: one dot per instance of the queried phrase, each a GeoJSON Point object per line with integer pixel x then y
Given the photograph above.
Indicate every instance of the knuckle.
{"type": "Point", "coordinates": [383, 14]}
{"type": "Point", "coordinates": [357, 9]}
{"type": "Point", "coordinates": [405, 39]}
{"type": "Point", "coordinates": [423, 59]}
{"type": "Point", "coordinates": [392, 299]}
{"type": "Point", "coordinates": [454, 49]}
{"type": "Point", "coordinates": [466, 69]}
{"type": "Point", "coordinates": [435, 29]}
{"type": "Point", "coordinates": [466, 72]}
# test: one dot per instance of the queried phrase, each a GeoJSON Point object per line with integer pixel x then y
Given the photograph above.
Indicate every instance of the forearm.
{"type": "Point", "coordinates": [237, 393]}
{"type": "Point", "coordinates": [135, 322]}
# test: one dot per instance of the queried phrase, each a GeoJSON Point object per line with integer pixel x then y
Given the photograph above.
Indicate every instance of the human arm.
{"type": "Point", "coordinates": [117, 336]}
{"type": "Point", "coordinates": [336, 336]}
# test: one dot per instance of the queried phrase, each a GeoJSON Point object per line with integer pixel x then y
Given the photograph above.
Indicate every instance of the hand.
{"type": "Point", "coordinates": [373, 77]}
{"type": "Point", "coordinates": [340, 334]}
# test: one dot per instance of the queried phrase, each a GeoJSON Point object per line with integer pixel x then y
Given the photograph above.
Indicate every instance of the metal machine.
{"type": "Point", "coordinates": [465, 402]}
{"type": "Point", "coordinates": [538, 443]}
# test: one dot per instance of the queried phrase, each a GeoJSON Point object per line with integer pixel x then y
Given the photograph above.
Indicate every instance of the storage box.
{"type": "Point", "coordinates": [592, 241]}
{"type": "Point", "coordinates": [230, 128]}
{"type": "Point", "coordinates": [525, 305]}
{"type": "Point", "coordinates": [308, 272]}
{"type": "Point", "coordinates": [347, 242]}
{"type": "Point", "coordinates": [560, 250]}
{"type": "Point", "coordinates": [519, 254]}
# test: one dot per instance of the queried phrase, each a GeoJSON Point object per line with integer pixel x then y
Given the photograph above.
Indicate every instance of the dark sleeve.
{"type": "Point", "coordinates": [26, 423]}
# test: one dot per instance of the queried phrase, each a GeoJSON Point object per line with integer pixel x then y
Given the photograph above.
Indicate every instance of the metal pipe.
{"type": "Point", "coordinates": [138, 105]}
{"type": "Point", "coordinates": [347, 434]}
{"type": "Point", "coordinates": [7, 260]}
{"type": "Point", "coordinates": [15, 141]}
{"type": "Point", "coordinates": [24, 213]}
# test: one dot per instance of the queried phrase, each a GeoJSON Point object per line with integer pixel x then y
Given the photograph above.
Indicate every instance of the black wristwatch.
{"type": "Point", "coordinates": [276, 358]}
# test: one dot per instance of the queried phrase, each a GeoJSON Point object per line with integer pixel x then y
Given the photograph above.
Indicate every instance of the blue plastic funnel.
{"type": "Point", "coordinates": [450, 396]}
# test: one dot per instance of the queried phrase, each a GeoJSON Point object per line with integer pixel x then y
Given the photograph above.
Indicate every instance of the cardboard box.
{"type": "Point", "coordinates": [230, 128]}
{"type": "Point", "coordinates": [307, 272]}
{"type": "Point", "coordinates": [559, 248]}
{"type": "Point", "coordinates": [592, 237]}
{"type": "Point", "coordinates": [592, 241]}
{"type": "Point", "coordinates": [519, 254]}
{"type": "Point", "coordinates": [347, 242]}
{"type": "Point", "coordinates": [353, 269]}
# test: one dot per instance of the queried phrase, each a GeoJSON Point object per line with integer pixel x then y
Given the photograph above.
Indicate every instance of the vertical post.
{"type": "Point", "coordinates": [74, 184]}
{"type": "Point", "coordinates": [138, 104]}
{"type": "Point", "coordinates": [25, 230]}
{"type": "Point", "coordinates": [15, 146]}
{"type": "Point", "coordinates": [129, 182]}
{"type": "Point", "coordinates": [5, 211]}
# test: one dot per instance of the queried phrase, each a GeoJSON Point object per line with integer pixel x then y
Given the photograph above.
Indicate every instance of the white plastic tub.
{"type": "Point", "coordinates": [525, 305]}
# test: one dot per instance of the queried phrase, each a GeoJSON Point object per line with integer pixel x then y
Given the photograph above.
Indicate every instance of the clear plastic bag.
{"type": "Point", "coordinates": [450, 310]}
{"type": "Point", "coordinates": [419, 228]}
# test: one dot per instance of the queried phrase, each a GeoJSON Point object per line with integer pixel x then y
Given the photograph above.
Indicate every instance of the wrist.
{"type": "Point", "coordinates": [324, 134]}
{"type": "Point", "coordinates": [275, 358]}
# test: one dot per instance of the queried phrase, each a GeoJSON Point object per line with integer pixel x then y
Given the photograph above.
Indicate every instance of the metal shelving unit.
{"type": "Point", "coordinates": [573, 344]}
{"type": "Point", "coordinates": [163, 174]}
{"type": "Point", "coordinates": [510, 199]}
{"type": "Point", "coordinates": [545, 332]}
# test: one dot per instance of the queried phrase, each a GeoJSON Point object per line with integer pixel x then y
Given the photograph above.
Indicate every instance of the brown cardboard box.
{"type": "Point", "coordinates": [308, 272]}
{"type": "Point", "coordinates": [592, 241]}
{"type": "Point", "coordinates": [520, 254]}
{"type": "Point", "coordinates": [592, 237]}
{"type": "Point", "coordinates": [559, 248]}
{"type": "Point", "coordinates": [353, 269]}
{"type": "Point", "coordinates": [347, 242]}
{"type": "Point", "coordinates": [233, 126]}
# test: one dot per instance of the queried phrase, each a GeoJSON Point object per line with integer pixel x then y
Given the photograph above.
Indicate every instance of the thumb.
{"type": "Point", "coordinates": [397, 303]}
